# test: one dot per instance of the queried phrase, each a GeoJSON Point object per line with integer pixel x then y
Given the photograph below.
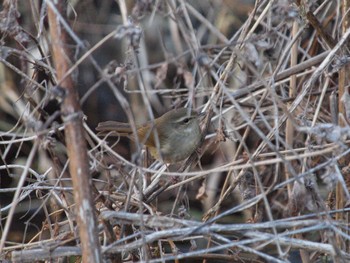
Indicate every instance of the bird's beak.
{"type": "Point", "coordinates": [201, 115]}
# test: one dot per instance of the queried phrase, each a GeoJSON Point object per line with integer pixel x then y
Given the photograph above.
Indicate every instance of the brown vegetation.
{"type": "Point", "coordinates": [270, 181]}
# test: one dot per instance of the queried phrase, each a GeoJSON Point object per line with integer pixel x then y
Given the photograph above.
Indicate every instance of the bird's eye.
{"type": "Point", "coordinates": [186, 120]}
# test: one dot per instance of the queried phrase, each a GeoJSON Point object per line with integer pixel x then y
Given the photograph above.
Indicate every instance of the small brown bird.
{"type": "Point", "coordinates": [178, 134]}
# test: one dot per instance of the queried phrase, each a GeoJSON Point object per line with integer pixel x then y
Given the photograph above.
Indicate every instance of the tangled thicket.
{"type": "Point", "coordinates": [269, 182]}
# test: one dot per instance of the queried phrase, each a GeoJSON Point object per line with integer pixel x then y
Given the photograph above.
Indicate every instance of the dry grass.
{"type": "Point", "coordinates": [268, 184]}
